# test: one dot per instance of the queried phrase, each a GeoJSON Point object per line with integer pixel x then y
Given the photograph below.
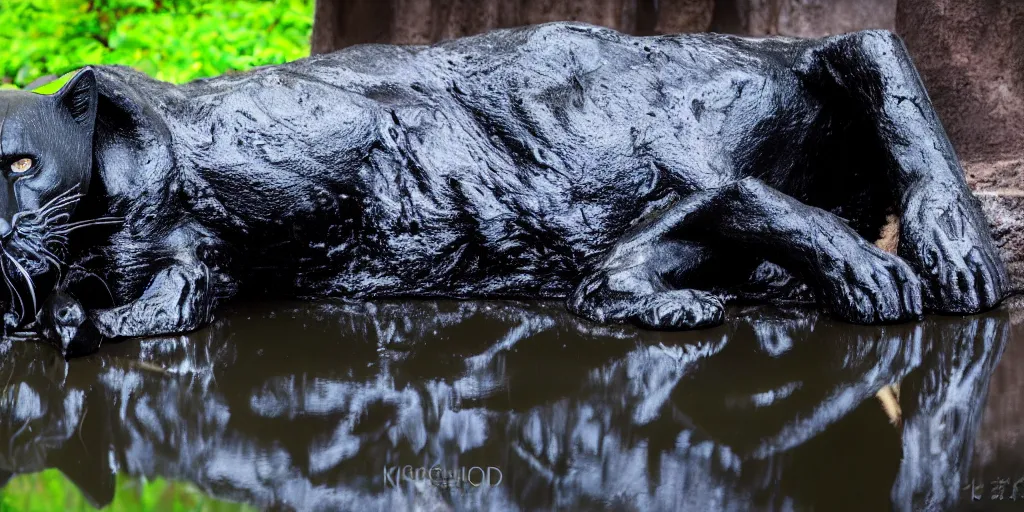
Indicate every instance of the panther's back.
{"type": "Point", "coordinates": [504, 161]}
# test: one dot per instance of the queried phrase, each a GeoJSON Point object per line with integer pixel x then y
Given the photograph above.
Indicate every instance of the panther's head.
{"type": "Point", "coordinates": [46, 139]}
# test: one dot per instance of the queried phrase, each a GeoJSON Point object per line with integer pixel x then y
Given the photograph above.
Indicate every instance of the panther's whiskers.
{"type": "Point", "coordinates": [56, 238]}
{"type": "Point", "coordinates": [12, 289]}
{"type": "Point", "coordinates": [69, 201]}
{"type": "Point", "coordinates": [101, 221]}
{"type": "Point", "coordinates": [43, 253]}
{"type": "Point", "coordinates": [60, 196]}
{"type": "Point", "coordinates": [28, 279]}
{"type": "Point", "coordinates": [57, 219]}
{"type": "Point", "coordinates": [53, 212]}
{"type": "Point", "coordinates": [49, 255]}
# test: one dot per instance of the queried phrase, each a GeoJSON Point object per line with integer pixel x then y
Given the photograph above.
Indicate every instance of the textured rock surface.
{"type": "Point", "coordinates": [1004, 208]}
{"type": "Point", "coordinates": [1005, 212]}
{"type": "Point", "coordinates": [343, 23]}
{"type": "Point", "coordinates": [995, 175]}
{"type": "Point", "coordinates": [970, 54]}
{"type": "Point", "coordinates": [803, 18]}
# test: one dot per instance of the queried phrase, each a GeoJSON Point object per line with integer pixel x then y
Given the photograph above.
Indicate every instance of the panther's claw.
{"type": "Point", "coordinates": [961, 270]}
{"type": "Point", "coordinates": [873, 286]}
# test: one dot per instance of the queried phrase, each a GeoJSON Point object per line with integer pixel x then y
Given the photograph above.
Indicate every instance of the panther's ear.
{"type": "Point", "coordinates": [78, 96]}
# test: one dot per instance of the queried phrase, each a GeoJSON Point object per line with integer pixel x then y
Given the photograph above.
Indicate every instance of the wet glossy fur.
{"type": "Point", "coordinates": [646, 179]}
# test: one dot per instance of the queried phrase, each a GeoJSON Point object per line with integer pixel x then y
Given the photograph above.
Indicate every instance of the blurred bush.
{"type": "Point", "coordinates": [173, 40]}
{"type": "Point", "coordinates": [50, 491]}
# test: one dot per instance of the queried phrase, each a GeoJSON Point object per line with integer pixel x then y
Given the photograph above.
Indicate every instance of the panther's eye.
{"type": "Point", "coordinates": [22, 165]}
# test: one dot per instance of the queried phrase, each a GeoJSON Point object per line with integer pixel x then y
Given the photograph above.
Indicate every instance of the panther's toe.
{"type": "Point", "coordinates": [680, 310]}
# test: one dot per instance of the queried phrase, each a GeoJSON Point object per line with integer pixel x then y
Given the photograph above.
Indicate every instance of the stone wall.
{"type": "Point", "coordinates": [340, 23]}
{"type": "Point", "coordinates": [970, 54]}
{"type": "Point", "coordinates": [802, 18]}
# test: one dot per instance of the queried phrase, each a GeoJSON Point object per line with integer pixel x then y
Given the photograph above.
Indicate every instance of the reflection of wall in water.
{"type": "Point", "coordinates": [999, 449]}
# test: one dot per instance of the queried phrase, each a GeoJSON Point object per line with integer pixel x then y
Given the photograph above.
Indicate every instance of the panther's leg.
{"type": "Point", "coordinates": [643, 279]}
{"type": "Point", "coordinates": [178, 299]}
{"type": "Point", "coordinates": [853, 278]}
{"type": "Point", "coordinates": [943, 232]}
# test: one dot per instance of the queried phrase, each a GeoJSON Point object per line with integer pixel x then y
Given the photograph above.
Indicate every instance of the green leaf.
{"type": "Point", "coordinates": [56, 85]}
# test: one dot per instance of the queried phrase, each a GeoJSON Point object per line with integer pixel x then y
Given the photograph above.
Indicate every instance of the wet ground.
{"type": "Point", "coordinates": [498, 405]}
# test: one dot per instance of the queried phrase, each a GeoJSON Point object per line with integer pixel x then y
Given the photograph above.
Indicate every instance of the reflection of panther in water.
{"type": "Point", "coordinates": [647, 179]}
{"type": "Point", "coordinates": [663, 424]}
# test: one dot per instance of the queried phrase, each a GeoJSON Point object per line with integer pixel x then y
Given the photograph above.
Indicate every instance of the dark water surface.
{"type": "Point", "coordinates": [321, 406]}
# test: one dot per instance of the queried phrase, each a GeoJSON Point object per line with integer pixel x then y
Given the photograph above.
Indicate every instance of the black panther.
{"type": "Point", "coordinates": [644, 179]}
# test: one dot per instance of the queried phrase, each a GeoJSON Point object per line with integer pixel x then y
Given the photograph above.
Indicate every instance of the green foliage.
{"type": "Point", "coordinates": [173, 40]}
{"type": "Point", "coordinates": [50, 491]}
{"type": "Point", "coordinates": [56, 85]}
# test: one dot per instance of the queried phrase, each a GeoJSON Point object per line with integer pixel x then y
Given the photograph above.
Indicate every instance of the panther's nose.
{"type": "Point", "coordinates": [5, 228]}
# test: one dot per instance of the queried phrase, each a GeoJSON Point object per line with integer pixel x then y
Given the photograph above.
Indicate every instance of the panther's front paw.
{"type": "Point", "coordinates": [948, 243]}
{"type": "Point", "coordinates": [868, 285]}
{"type": "Point", "coordinates": [178, 300]}
{"type": "Point", "coordinates": [680, 309]}
{"type": "Point", "coordinates": [596, 300]}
